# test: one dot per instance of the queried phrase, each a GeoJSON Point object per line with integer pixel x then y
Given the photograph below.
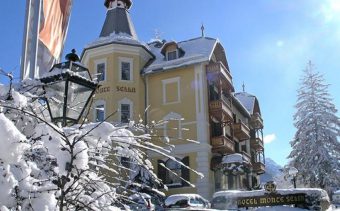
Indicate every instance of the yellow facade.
{"type": "Point", "coordinates": [189, 85]}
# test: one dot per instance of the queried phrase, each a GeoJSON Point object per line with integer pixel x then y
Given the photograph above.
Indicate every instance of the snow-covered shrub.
{"type": "Point", "coordinates": [46, 167]}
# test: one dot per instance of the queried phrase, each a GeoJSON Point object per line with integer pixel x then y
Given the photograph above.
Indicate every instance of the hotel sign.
{"type": "Point", "coordinates": [106, 89]}
{"type": "Point", "coordinates": [271, 200]}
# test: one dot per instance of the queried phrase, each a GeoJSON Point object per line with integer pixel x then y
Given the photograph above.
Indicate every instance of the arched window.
{"type": "Point", "coordinates": [173, 127]}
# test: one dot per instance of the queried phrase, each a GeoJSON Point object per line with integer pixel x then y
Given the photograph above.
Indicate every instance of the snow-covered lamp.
{"type": "Point", "coordinates": [69, 88]}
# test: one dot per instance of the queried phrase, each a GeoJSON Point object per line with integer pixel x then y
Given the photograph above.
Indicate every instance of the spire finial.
{"type": "Point", "coordinates": [243, 87]}
{"type": "Point", "coordinates": [157, 34]}
{"type": "Point", "coordinates": [202, 29]}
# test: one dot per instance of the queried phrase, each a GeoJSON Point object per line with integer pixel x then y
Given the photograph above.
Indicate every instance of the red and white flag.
{"type": "Point", "coordinates": [46, 29]}
{"type": "Point", "coordinates": [55, 18]}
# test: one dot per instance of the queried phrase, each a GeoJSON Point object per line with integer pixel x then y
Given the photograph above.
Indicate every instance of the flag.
{"type": "Point", "coordinates": [45, 34]}
{"type": "Point", "coordinates": [55, 23]}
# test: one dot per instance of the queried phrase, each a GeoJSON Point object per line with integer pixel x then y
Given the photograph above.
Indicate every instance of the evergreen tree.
{"type": "Point", "coordinates": [315, 147]}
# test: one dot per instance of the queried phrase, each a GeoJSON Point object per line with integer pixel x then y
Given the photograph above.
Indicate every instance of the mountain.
{"type": "Point", "coordinates": [272, 170]}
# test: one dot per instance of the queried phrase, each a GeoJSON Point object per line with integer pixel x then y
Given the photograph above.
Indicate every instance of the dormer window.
{"type": "Point", "coordinates": [171, 51]}
{"type": "Point", "coordinates": [171, 55]}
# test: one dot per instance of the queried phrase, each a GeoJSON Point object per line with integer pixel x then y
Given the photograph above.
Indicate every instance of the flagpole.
{"type": "Point", "coordinates": [35, 39]}
{"type": "Point", "coordinates": [25, 43]}
{"type": "Point", "coordinates": [31, 39]}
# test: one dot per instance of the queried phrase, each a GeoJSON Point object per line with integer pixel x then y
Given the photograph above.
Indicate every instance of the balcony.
{"type": "Point", "coordinates": [219, 68]}
{"type": "Point", "coordinates": [221, 108]}
{"type": "Point", "coordinates": [259, 168]}
{"type": "Point", "coordinates": [222, 144]}
{"type": "Point", "coordinates": [256, 121]}
{"type": "Point", "coordinates": [241, 131]}
{"type": "Point", "coordinates": [256, 144]}
{"type": "Point", "coordinates": [246, 157]}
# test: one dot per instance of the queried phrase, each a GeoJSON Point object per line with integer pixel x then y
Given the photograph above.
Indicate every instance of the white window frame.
{"type": "Point", "coordinates": [125, 101]}
{"type": "Point", "coordinates": [172, 116]}
{"type": "Point", "coordinates": [101, 61]}
{"type": "Point", "coordinates": [127, 60]}
{"type": "Point", "coordinates": [168, 52]}
{"type": "Point", "coordinates": [169, 81]}
{"type": "Point", "coordinates": [96, 104]}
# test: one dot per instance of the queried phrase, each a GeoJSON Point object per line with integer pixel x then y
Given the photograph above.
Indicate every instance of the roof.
{"type": "Point", "coordinates": [241, 107]}
{"type": "Point", "coordinates": [119, 38]}
{"type": "Point", "coordinates": [118, 21]}
{"type": "Point", "coordinates": [248, 101]}
{"type": "Point", "coordinates": [195, 50]}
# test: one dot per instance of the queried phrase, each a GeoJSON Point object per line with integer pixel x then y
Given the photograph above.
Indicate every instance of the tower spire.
{"type": "Point", "coordinates": [243, 87]}
{"type": "Point", "coordinates": [118, 19]}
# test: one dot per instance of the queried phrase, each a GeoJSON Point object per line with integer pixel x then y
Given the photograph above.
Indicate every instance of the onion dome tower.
{"type": "Point", "coordinates": [118, 21]}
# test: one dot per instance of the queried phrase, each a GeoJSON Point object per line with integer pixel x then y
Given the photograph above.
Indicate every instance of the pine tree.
{"type": "Point", "coordinates": [315, 147]}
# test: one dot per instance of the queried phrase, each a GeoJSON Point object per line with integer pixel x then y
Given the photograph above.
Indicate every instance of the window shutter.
{"type": "Point", "coordinates": [161, 174]}
{"type": "Point", "coordinates": [185, 171]}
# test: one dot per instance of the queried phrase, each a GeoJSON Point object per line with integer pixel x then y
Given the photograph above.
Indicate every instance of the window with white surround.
{"type": "Point", "coordinates": [99, 111]}
{"type": "Point", "coordinates": [173, 126]}
{"type": "Point", "coordinates": [171, 55]}
{"type": "Point", "coordinates": [126, 108]}
{"type": "Point", "coordinates": [125, 69]}
{"type": "Point", "coordinates": [100, 66]}
{"type": "Point", "coordinates": [171, 90]}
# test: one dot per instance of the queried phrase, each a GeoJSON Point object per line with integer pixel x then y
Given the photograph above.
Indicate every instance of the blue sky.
{"type": "Point", "coordinates": [267, 43]}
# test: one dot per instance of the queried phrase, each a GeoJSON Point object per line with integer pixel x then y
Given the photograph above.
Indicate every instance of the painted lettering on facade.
{"type": "Point", "coordinates": [126, 89]}
{"type": "Point", "coordinates": [271, 200]}
{"type": "Point", "coordinates": [101, 90]}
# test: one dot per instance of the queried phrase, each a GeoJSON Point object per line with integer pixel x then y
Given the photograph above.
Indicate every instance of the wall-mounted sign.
{"type": "Point", "coordinates": [103, 89]}
{"type": "Point", "coordinates": [125, 89]}
{"type": "Point", "coordinates": [271, 200]}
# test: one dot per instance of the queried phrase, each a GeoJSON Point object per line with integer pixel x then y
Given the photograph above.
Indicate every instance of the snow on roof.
{"type": "Point", "coordinates": [232, 158]}
{"type": "Point", "coordinates": [122, 38]}
{"type": "Point", "coordinates": [247, 100]}
{"type": "Point", "coordinates": [279, 208]}
{"type": "Point", "coordinates": [237, 193]}
{"type": "Point", "coordinates": [172, 199]}
{"type": "Point", "coordinates": [195, 51]}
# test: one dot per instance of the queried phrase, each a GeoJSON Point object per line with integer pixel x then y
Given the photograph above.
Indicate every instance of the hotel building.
{"type": "Point", "coordinates": [189, 85]}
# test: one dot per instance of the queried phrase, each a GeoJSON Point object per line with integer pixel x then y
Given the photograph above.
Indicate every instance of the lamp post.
{"type": "Point", "coordinates": [293, 172]}
{"type": "Point", "coordinates": [69, 88]}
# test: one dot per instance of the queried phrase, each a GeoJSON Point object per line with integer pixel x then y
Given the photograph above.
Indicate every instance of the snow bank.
{"type": "Point", "coordinates": [12, 141]}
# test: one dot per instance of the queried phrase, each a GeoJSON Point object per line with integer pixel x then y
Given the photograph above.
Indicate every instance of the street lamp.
{"type": "Point", "coordinates": [69, 88]}
{"type": "Point", "coordinates": [293, 172]}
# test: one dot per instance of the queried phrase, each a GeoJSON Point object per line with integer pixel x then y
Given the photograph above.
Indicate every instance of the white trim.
{"type": "Point", "coordinates": [189, 123]}
{"type": "Point", "coordinates": [127, 60]}
{"type": "Point", "coordinates": [204, 187]}
{"type": "Point", "coordinates": [169, 81]}
{"type": "Point", "coordinates": [98, 103]}
{"type": "Point", "coordinates": [201, 104]}
{"type": "Point", "coordinates": [172, 116]}
{"type": "Point", "coordinates": [125, 101]}
{"type": "Point", "coordinates": [185, 149]}
{"type": "Point", "coordinates": [100, 61]}
{"type": "Point", "coordinates": [103, 50]}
